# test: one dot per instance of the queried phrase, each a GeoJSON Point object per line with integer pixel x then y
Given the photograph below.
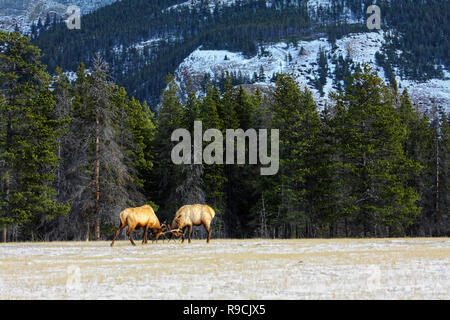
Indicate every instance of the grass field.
{"type": "Point", "coordinates": [415, 268]}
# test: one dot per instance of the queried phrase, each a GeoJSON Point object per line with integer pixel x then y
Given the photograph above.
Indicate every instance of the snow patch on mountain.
{"type": "Point", "coordinates": [301, 61]}
{"type": "Point", "coordinates": [429, 93]}
{"type": "Point", "coordinates": [197, 3]}
{"type": "Point", "coordinates": [360, 47]}
{"type": "Point", "coordinates": [313, 5]}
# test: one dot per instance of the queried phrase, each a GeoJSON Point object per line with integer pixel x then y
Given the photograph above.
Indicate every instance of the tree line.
{"type": "Point", "coordinates": [73, 154]}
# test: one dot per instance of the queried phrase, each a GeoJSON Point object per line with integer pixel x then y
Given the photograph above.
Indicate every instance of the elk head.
{"type": "Point", "coordinates": [174, 232]}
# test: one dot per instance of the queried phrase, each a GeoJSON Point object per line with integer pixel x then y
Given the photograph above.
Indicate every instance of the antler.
{"type": "Point", "coordinates": [173, 231]}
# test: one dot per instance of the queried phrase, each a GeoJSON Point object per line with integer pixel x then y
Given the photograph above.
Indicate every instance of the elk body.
{"type": "Point", "coordinates": [143, 217]}
{"type": "Point", "coordinates": [193, 215]}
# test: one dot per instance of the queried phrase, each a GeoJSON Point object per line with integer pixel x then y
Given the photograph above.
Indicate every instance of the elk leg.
{"type": "Point", "coordinates": [208, 229]}
{"type": "Point", "coordinates": [157, 237]}
{"type": "Point", "coordinates": [117, 233]}
{"type": "Point", "coordinates": [129, 232]}
{"type": "Point", "coordinates": [145, 237]}
{"type": "Point", "coordinates": [164, 237]}
{"type": "Point", "coordinates": [190, 233]}
{"type": "Point", "coordinates": [184, 233]}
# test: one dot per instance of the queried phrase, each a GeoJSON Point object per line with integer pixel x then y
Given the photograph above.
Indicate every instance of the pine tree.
{"type": "Point", "coordinates": [241, 178]}
{"type": "Point", "coordinates": [322, 62]}
{"type": "Point", "coordinates": [262, 75]}
{"type": "Point", "coordinates": [443, 214]}
{"type": "Point", "coordinates": [191, 190]}
{"type": "Point", "coordinates": [295, 115]}
{"type": "Point", "coordinates": [214, 179]}
{"type": "Point", "coordinates": [134, 133]}
{"type": "Point", "coordinates": [374, 168]}
{"type": "Point", "coordinates": [169, 175]}
{"type": "Point", "coordinates": [436, 219]}
{"type": "Point", "coordinates": [227, 109]}
{"type": "Point", "coordinates": [417, 146]}
{"type": "Point", "coordinates": [28, 139]}
{"type": "Point", "coordinates": [139, 149]}
{"type": "Point", "coordinates": [324, 186]}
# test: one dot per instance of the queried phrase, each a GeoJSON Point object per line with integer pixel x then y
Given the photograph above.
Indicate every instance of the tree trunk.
{"type": "Point", "coordinates": [7, 201]}
{"type": "Point", "coordinates": [97, 181]}
{"type": "Point", "coordinates": [437, 189]}
{"type": "Point", "coordinates": [58, 171]}
{"type": "Point", "coordinates": [87, 232]}
{"type": "Point", "coordinates": [346, 227]}
{"type": "Point", "coordinates": [97, 229]}
{"type": "Point", "coordinates": [263, 219]}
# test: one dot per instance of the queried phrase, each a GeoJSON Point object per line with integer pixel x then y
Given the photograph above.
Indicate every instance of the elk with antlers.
{"type": "Point", "coordinates": [192, 215]}
{"type": "Point", "coordinates": [143, 217]}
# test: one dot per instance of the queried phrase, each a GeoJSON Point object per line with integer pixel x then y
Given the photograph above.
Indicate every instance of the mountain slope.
{"type": "Point", "coordinates": [359, 47]}
{"type": "Point", "coordinates": [145, 40]}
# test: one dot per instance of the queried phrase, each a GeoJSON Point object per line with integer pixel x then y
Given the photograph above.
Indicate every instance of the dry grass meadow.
{"type": "Point", "coordinates": [416, 268]}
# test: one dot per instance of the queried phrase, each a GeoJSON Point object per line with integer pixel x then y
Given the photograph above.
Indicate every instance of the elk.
{"type": "Point", "coordinates": [143, 217]}
{"type": "Point", "coordinates": [192, 215]}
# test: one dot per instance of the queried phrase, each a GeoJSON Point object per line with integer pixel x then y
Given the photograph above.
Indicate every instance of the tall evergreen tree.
{"type": "Point", "coordinates": [28, 138]}
{"type": "Point", "coordinates": [214, 178]}
{"type": "Point", "coordinates": [436, 220]}
{"type": "Point", "coordinates": [374, 167]}
{"type": "Point", "coordinates": [191, 189]}
{"type": "Point", "coordinates": [170, 118]}
{"type": "Point", "coordinates": [417, 146]}
{"type": "Point", "coordinates": [295, 115]}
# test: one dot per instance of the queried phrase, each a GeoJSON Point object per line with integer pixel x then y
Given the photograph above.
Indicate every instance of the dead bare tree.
{"type": "Point", "coordinates": [97, 165]}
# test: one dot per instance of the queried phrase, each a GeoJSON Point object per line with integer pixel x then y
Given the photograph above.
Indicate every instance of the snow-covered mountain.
{"type": "Point", "coordinates": [301, 61]}
{"type": "Point", "coordinates": [20, 14]}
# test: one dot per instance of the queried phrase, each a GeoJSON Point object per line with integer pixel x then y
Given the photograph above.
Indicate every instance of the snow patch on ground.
{"type": "Point", "coordinates": [229, 269]}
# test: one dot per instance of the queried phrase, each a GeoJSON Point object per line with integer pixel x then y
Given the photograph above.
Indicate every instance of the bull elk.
{"type": "Point", "coordinates": [143, 217]}
{"type": "Point", "coordinates": [192, 215]}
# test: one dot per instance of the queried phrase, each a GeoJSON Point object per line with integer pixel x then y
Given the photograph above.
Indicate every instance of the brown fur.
{"type": "Point", "coordinates": [193, 215]}
{"type": "Point", "coordinates": [143, 217]}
